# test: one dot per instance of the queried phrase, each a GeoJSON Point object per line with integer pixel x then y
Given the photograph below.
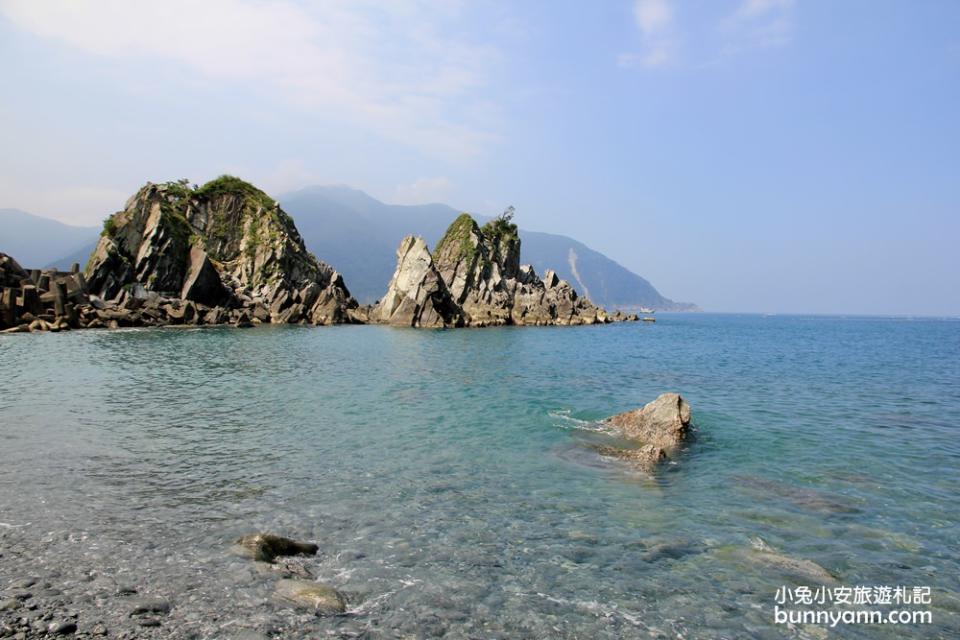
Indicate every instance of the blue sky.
{"type": "Point", "coordinates": [747, 155]}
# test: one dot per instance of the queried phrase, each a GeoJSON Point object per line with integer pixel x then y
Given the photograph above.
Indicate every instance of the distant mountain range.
{"type": "Point", "coordinates": [40, 242]}
{"type": "Point", "coordinates": [359, 235]}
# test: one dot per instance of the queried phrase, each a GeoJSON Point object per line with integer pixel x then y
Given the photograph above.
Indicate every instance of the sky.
{"type": "Point", "coordinates": [783, 156]}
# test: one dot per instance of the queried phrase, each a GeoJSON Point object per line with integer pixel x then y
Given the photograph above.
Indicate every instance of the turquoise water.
{"type": "Point", "coordinates": [449, 479]}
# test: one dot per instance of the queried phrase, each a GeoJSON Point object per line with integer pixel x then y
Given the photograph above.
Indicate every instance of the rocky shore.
{"type": "Point", "coordinates": [227, 253]}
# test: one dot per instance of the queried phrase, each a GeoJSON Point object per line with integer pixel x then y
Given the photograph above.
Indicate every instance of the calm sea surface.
{"type": "Point", "coordinates": [449, 479]}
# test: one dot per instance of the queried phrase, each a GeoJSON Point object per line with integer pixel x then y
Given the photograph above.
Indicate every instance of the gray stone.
{"type": "Point", "coordinates": [664, 422]}
{"type": "Point", "coordinates": [322, 599]}
{"type": "Point", "coordinates": [266, 547]}
{"type": "Point", "coordinates": [62, 628]}
{"type": "Point", "coordinates": [149, 605]}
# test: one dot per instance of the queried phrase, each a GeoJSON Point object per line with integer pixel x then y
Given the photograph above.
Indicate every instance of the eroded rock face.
{"type": "Point", "coordinates": [223, 244]}
{"type": "Point", "coordinates": [417, 296]}
{"type": "Point", "coordinates": [474, 278]}
{"type": "Point", "coordinates": [663, 423]}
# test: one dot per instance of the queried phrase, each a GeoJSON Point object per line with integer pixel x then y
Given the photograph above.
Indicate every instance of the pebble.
{"type": "Point", "coordinates": [150, 605]}
{"type": "Point", "coordinates": [62, 628]}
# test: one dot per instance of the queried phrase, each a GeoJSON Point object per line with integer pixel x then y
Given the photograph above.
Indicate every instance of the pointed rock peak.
{"type": "Point", "coordinates": [225, 241]}
{"type": "Point", "coordinates": [417, 296]}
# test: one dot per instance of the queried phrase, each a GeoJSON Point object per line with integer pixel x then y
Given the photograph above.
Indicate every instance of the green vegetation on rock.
{"type": "Point", "coordinates": [459, 235]}
{"type": "Point", "coordinates": [231, 185]}
{"type": "Point", "coordinates": [109, 228]}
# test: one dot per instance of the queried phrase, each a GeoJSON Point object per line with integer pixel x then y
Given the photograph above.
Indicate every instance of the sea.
{"type": "Point", "coordinates": [453, 482]}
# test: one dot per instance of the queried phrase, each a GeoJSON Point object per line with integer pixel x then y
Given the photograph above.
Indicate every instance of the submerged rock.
{"type": "Point", "coordinates": [803, 497]}
{"type": "Point", "coordinates": [646, 458]}
{"type": "Point", "coordinates": [796, 567]}
{"type": "Point", "coordinates": [321, 598]}
{"type": "Point", "coordinates": [266, 547]}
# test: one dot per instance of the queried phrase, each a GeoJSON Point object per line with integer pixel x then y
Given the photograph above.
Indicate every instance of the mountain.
{"type": "Point", "coordinates": [334, 219]}
{"type": "Point", "coordinates": [359, 235]}
{"type": "Point", "coordinates": [39, 242]}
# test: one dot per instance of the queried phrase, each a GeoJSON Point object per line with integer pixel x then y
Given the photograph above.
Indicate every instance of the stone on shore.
{"type": "Point", "coordinates": [322, 599]}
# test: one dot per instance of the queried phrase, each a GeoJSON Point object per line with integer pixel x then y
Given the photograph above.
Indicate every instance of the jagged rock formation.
{"type": "Point", "coordinates": [474, 278]}
{"type": "Point", "coordinates": [225, 250]}
{"type": "Point", "coordinates": [660, 427]}
{"type": "Point", "coordinates": [417, 296]}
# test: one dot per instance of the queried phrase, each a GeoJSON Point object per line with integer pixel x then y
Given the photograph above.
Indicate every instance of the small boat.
{"type": "Point", "coordinates": [649, 319]}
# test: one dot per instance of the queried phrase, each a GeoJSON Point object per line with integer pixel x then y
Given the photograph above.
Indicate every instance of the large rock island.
{"type": "Point", "coordinates": [224, 252]}
{"type": "Point", "coordinates": [474, 278]}
{"type": "Point", "coordinates": [225, 246]}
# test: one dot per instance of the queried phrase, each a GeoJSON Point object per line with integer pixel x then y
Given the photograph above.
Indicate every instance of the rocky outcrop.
{"type": "Point", "coordinates": [474, 278]}
{"type": "Point", "coordinates": [225, 245]}
{"type": "Point", "coordinates": [417, 296]}
{"type": "Point", "coordinates": [659, 427]}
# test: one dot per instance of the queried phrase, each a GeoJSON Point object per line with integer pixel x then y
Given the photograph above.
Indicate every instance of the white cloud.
{"type": "Point", "coordinates": [398, 69]}
{"type": "Point", "coordinates": [758, 23]}
{"type": "Point", "coordinates": [654, 18]}
{"type": "Point", "coordinates": [424, 191]}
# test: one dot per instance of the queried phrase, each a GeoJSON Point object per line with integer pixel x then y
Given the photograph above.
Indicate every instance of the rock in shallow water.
{"type": "Point", "coordinates": [660, 427]}
{"type": "Point", "coordinates": [664, 422]}
{"type": "Point", "coordinates": [266, 547]}
{"type": "Point", "coordinates": [150, 605]}
{"type": "Point", "coordinates": [322, 599]}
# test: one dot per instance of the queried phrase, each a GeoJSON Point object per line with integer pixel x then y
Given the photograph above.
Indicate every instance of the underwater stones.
{"type": "Point", "coordinates": [646, 458]}
{"type": "Point", "coordinates": [322, 599]}
{"type": "Point", "coordinates": [797, 567]}
{"type": "Point", "coordinates": [266, 547]}
{"type": "Point", "coordinates": [664, 422]}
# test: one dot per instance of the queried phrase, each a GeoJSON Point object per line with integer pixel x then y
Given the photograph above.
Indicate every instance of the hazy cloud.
{"type": "Point", "coordinates": [424, 191]}
{"type": "Point", "coordinates": [398, 69]}
{"type": "Point", "coordinates": [758, 23]}
{"type": "Point", "coordinates": [654, 18]}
